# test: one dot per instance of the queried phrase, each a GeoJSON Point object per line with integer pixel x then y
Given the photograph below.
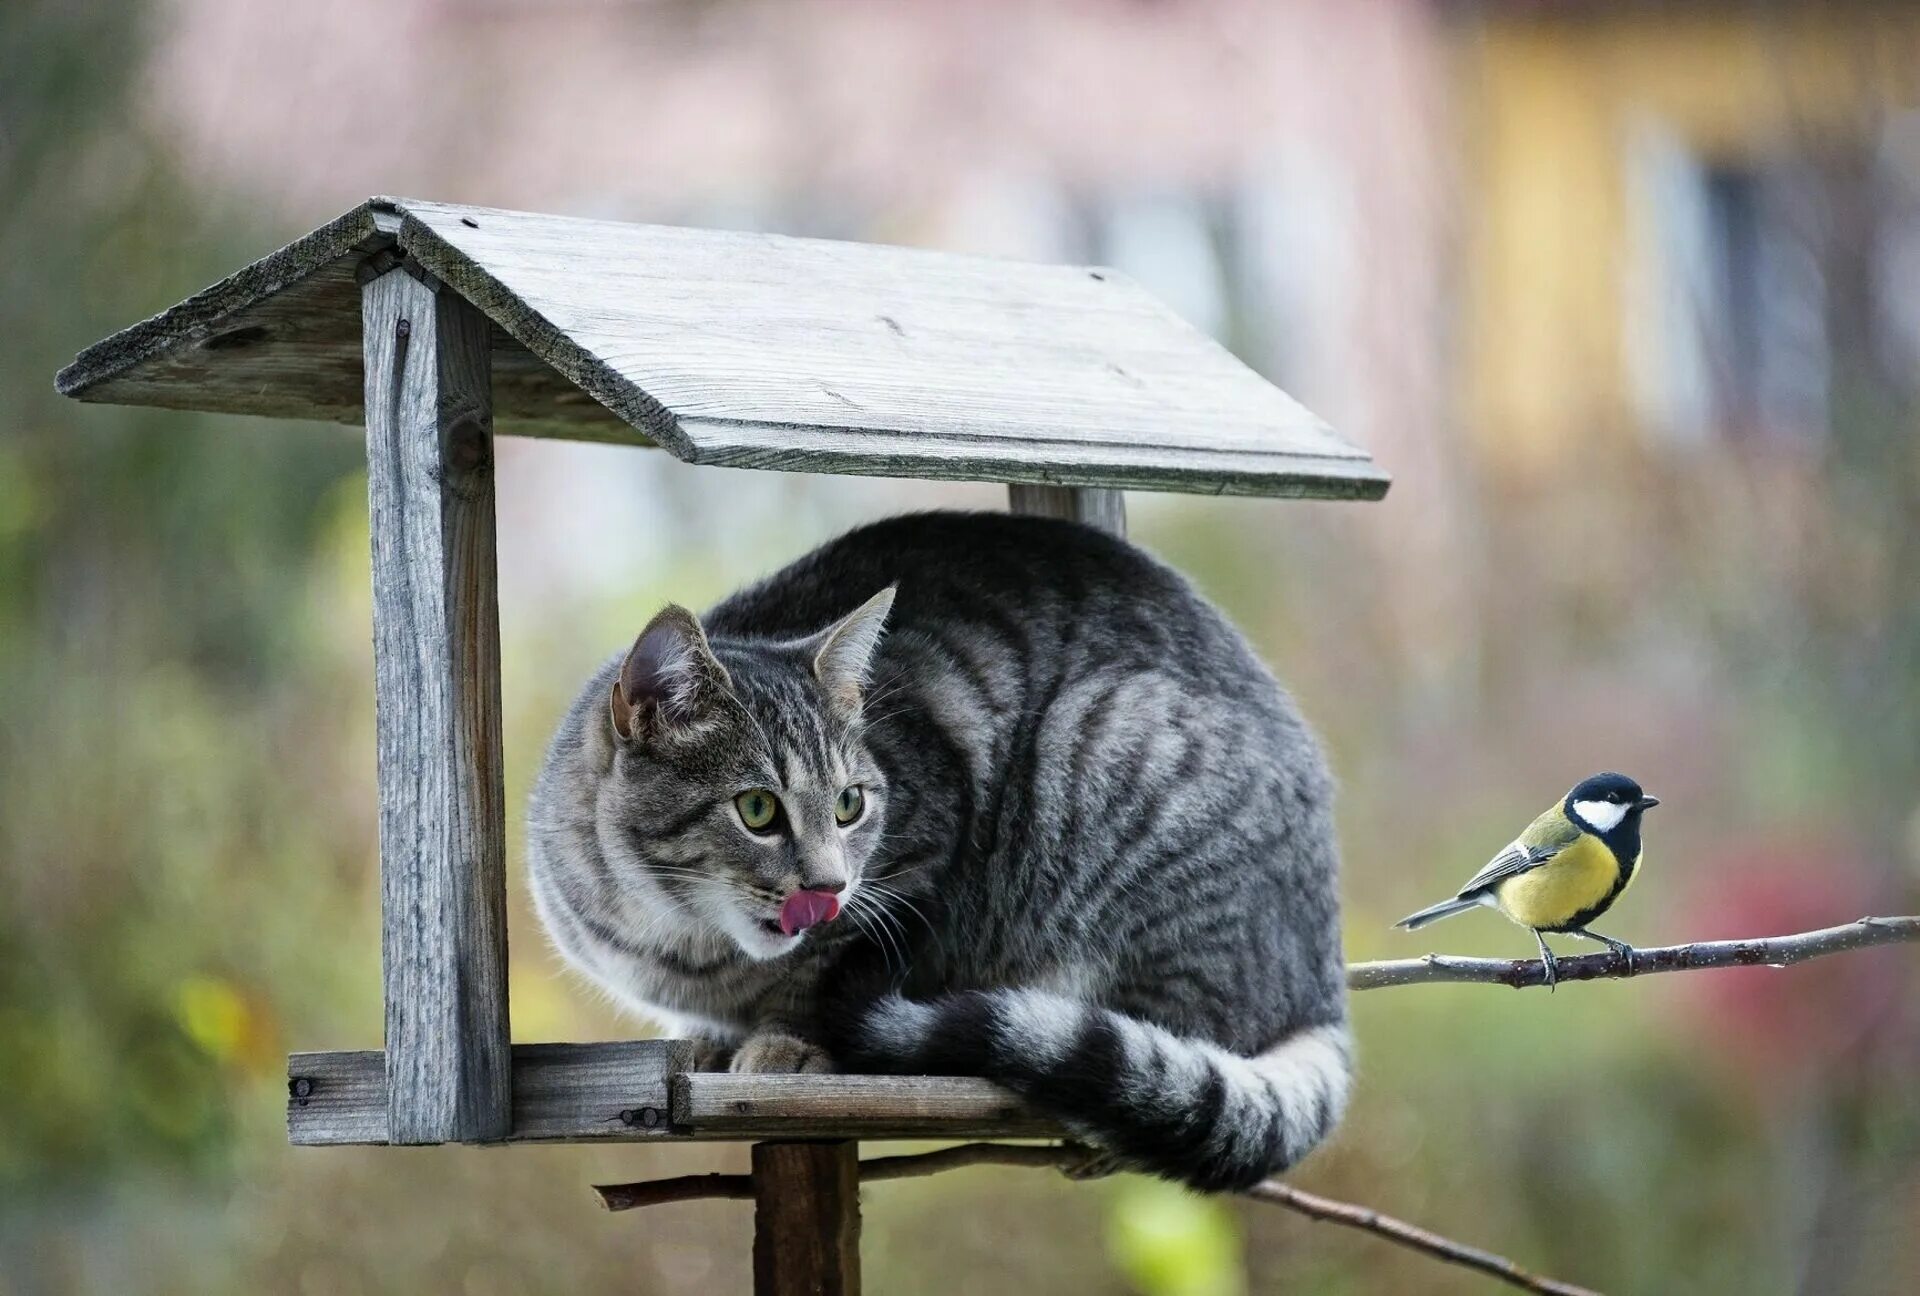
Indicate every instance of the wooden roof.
{"type": "Point", "coordinates": [756, 351]}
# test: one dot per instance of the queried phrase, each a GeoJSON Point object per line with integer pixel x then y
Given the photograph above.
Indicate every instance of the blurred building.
{"type": "Point", "coordinates": [1675, 215]}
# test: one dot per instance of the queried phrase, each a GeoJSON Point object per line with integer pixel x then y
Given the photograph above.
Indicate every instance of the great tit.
{"type": "Point", "coordinates": [1565, 870]}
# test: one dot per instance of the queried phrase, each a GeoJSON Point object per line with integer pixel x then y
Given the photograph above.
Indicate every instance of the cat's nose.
{"type": "Point", "coordinates": [804, 909]}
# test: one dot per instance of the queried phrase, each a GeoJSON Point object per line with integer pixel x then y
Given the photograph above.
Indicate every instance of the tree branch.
{"type": "Point", "coordinates": [1074, 1160]}
{"type": "Point", "coordinates": [658, 1192]}
{"type": "Point", "coordinates": [1065, 1156]}
{"type": "Point", "coordinates": [1769, 951]}
{"type": "Point", "coordinates": [1408, 1235]}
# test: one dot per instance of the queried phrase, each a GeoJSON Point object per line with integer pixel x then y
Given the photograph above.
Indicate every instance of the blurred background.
{"type": "Point", "coordinates": [1627, 297]}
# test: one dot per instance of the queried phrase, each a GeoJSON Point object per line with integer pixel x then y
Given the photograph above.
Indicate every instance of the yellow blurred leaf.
{"type": "Point", "coordinates": [213, 1014]}
{"type": "Point", "coordinates": [1170, 1242]}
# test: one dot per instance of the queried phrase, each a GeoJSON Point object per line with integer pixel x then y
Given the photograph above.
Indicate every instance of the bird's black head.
{"type": "Point", "coordinates": [1605, 802]}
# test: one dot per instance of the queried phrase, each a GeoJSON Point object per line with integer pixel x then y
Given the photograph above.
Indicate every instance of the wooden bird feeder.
{"type": "Point", "coordinates": [436, 325]}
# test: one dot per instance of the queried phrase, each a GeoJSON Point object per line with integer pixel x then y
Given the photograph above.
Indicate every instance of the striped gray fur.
{"type": "Point", "coordinates": [1096, 862]}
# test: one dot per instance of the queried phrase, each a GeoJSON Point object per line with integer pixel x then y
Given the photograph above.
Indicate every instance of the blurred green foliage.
{"type": "Point", "coordinates": [163, 823]}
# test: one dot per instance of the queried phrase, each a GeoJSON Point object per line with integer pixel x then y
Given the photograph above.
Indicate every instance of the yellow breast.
{"type": "Point", "coordinates": [1575, 880]}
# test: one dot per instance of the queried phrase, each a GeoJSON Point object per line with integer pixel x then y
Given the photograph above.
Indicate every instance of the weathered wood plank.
{"type": "Point", "coordinates": [852, 1106]}
{"type": "Point", "coordinates": [642, 1091]}
{"type": "Point", "coordinates": [1112, 466]}
{"type": "Point", "coordinates": [129, 367]}
{"type": "Point", "coordinates": [337, 1097]}
{"type": "Point", "coordinates": [1106, 509]}
{"type": "Point", "coordinates": [722, 326]}
{"type": "Point", "coordinates": [437, 694]}
{"type": "Point", "coordinates": [592, 1093]}
{"type": "Point", "coordinates": [282, 338]}
{"type": "Point", "coordinates": [806, 1219]}
{"type": "Point", "coordinates": [986, 457]}
{"type": "Point", "coordinates": [756, 351]}
{"type": "Point", "coordinates": [573, 1093]}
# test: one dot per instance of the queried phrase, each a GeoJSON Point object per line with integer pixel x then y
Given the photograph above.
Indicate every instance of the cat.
{"type": "Point", "coordinates": [968, 794]}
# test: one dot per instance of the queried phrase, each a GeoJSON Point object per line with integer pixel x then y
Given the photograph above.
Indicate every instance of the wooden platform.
{"type": "Point", "coordinates": [754, 351]}
{"type": "Point", "coordinates": [640, 1092]}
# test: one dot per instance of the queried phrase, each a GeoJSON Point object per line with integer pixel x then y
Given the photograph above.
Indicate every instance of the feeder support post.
{"type": "Point", "coordinates": [436, 647]}
{"type": "Point", "coordinates": [1106, 509]}
{"type": "Point", "coordinates": [806, 1219]}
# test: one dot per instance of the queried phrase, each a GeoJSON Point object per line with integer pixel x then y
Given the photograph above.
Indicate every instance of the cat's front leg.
{"type": "Point", "coordinates": [777, 1048]}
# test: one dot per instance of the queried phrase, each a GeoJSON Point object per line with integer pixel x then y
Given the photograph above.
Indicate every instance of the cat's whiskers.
{"type": "Point", "coordinates": [884, 689]}
{"type": "Point", "coordinates": [900, 923]}
{"type": "Point", "coordinates": [877, 932]}
{"type": "Point", "coordinates": [886, 888]}
{"type": "Point", "coordinates": [854, 916]}
{"type": "Point", "coordinates": [879, 906]}
{"type": "Point", "coordinates": [739, 891]}
{"type": "Point", "coordinates": [880, 720]}
{"type": "Point", "coordinates": [880, 909]}
{"type": "Point", "coordinates": [697, 875]}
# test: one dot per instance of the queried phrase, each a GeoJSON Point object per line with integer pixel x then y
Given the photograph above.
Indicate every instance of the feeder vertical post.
{"type": "Point", "coordinates": [1106, 509]}
{"type": "Point", "coordinates": [806, 1219]}
{"type": "Point", "coordinates": [436, 632]}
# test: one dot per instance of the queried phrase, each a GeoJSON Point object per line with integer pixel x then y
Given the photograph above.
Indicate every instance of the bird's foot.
{"type": "Point", "coordinates": [1625, 951]}
{"type": "Point", "coordinates": [1549, 967]}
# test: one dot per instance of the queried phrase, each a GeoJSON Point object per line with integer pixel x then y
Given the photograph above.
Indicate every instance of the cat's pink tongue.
{"type": "Point", "coordinates": [805, 909]}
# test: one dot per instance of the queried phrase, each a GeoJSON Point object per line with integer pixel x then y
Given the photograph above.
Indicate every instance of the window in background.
{"type": "Point", "coordinates": [1725, 295]}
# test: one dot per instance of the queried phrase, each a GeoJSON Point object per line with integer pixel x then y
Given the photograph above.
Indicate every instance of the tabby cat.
{"type": "Point", "coordinates": [968, 794]}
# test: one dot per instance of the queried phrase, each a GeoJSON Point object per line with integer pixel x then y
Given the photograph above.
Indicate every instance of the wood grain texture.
{"type": "Point", "coordinates": [1008, 459]}
{"type": "Point", "coordinates": [572, 1093]}
{"type": "Point", "coordinates": [337, 1098]}
{"type": "Point", "coordinates": [437, 696]}
{"type": "Point", "coordinates": [806, 1219]}
{"type": "Point", "coordinates": [852, 1106]}
{"type": "Point", "coordinates": [757, 351]}
{"type": "Point", "coordinates": [595, 1093]}
{"type": "Point", "coordinates": [642, 1091]}
{"type": "Point", "coordinates": [282, 338]}
{"type": "Point", "coordinates": [1106, 509]}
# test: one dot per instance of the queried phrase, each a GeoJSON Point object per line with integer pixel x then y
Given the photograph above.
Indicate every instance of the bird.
{"type": "Point", "coordinates": [1564, 871]}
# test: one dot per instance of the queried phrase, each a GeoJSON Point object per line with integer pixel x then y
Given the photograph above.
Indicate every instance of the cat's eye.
{"type": "Point", "coordinates": [848, 805]}
{"type": "Point", "coordinates": [758, 809]}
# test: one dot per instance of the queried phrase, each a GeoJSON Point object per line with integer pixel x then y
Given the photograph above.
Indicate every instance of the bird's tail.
{"type": "Point", "coordinates": [1434, 913]}
{"type": "Point", "coordinates": [1180, 1108]}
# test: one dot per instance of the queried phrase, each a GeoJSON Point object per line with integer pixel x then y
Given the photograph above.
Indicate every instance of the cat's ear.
{"type": "Point", "coordinates": [669, 677]}
{"type": "Point", "coordinates": [844, 658]}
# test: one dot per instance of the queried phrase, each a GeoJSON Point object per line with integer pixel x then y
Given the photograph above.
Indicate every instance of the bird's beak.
{"type": "Point", "coordinates": [1649, 802]}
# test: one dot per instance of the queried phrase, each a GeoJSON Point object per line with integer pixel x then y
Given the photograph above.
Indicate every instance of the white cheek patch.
{"type": "Point", "coordinates": [1601, 816]}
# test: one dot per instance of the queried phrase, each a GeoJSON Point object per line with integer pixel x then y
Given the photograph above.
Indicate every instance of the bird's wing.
{"type": "Point", "coordinates": [1544, 838]}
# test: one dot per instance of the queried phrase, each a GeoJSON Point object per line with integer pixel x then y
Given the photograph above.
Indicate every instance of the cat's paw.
{"type": "Point", "coordinates": [709, 1054]}
{"type": "Point", "coordinates": [778, 1053]}
{"type": "Point", "coordinates": [1090, 1163]}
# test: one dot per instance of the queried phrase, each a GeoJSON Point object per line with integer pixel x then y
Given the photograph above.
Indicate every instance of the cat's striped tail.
{"type": "Point", "coordinates": [1180, 1108]}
